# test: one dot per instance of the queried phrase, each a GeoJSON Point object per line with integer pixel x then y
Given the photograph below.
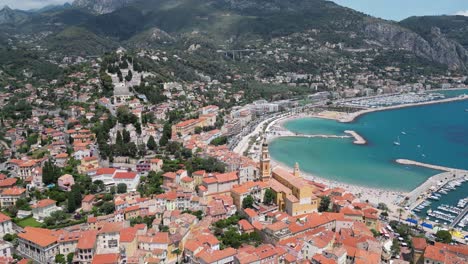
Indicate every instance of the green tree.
{"type": "Point", "coordinates": [219, 141]}
{"type": "Point", "coordinates": [70, 258]}
{"type": "Point", "coordinates": [248, 202]}
{"type": "Point", "coordinates": [151, 144]}
{"type": "Point", "coordinates": [324, 204]}
{"type": "Point", "coordinates": [395, 248]}
{"type": "Point", "coordinates": [107, 208]}
{"type": "Point", "coordinates": [60, 258]}
{"type": "Point", "coordinates": [269, 197]}
{"type": "Point", "coordinates": [129, 76]}
{"type": "Point", "coordinates": [50, 173]}
{"type": "Point", "coordinates": [443, 236]}
{"type": "Point", "coordinates": [382, 206]}
{"type": "Point", "coordinates": [121, 188]}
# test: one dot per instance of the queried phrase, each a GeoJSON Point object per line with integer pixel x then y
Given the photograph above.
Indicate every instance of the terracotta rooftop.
{"type": "Point", "coordinates": [125, 175]}
{"type": "Point", "coordinates": [8, 182]}
{"type": "Point", "coordinates": [87, 239]}
{"type": "Point", "coordinates": [15, 191]}
{"type": "Point", "coordinates": [38, 236]}
{"type": "Point", "coordinates": [4, 217]}
{"type": "Point", "coordinates": [106, 258]}
{"type": "Point", "coordinates": [44, 203]}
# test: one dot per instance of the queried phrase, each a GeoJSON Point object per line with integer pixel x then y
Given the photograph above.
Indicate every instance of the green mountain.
{"type": "Point", "coordinates": [78, 41]}
{"type": "Point", "coordinates": [241, 24]}
{"type": "Point", "coordinates": [13, 17]}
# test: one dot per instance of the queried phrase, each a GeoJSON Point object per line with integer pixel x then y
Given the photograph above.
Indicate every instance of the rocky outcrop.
{"type": "Point", "coordinates": [101, 6]}
{"type": "Point", "coordinates": [436, 48]}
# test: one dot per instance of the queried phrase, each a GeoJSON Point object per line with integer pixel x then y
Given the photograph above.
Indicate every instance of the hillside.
{"type": "Point", "coordinates": [454, 27]}
{"type": "Point", "coordinates": [240, 24]}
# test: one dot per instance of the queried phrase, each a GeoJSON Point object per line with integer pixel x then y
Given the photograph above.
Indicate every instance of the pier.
{"type": "Point", "coordinates": [433, 183]}
{"type": "Point", "coordinates": [358, 139]}
{"type": "Point", "coordinates": [459, 217]}
{"type": "Point", "coordinates": [430, 166]}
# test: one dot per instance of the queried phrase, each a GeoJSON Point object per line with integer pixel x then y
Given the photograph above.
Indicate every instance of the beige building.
{"type": "Point", "coordinates": [10, 196]}
{"type": "Point", "coordinates": [38, 244]}
{"type": "Point", "coordinates": [6, 226]}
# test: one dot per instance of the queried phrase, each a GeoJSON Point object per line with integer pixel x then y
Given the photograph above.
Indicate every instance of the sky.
{"type": "Point", "coordinates": [387, 9]}
{"type": "Point", "coordinates": [401, 9]}
{"type": "Point", "coordinates": [31, 4]}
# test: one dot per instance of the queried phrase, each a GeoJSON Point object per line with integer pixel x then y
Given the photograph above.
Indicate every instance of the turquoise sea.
{"type": "Point", "coordinates": [434, 134]}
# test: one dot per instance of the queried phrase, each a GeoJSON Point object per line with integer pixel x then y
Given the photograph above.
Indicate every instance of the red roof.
{"type": "Point", "coordinates": [419, 243]}
{"type": "Point", "coordinates": [125, 175]}
{"type": "Point", "coordinates": [44, 203]}
{"type": "Point", "coordinates": [128, 234]}
{"type": "Point", "coordinates": [106, 258]}
{"type": "Point", "coordinates": [14, 191]}
{"type": "Point", "coordinates": [4, 217]}
{"type": "Point", "coordinates": [38, 236]}
{"type": "Point", "coordinates": [8, 182]}
{"type": "Point", "coordinates": [88, 198]}
{"type": "Point", "coordinates": [87, 239]}
{"type": "Point", "coordinates": [102, 171]}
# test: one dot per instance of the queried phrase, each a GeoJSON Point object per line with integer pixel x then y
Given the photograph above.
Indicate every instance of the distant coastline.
{"type": "Point", "coordinates": [351, 117]}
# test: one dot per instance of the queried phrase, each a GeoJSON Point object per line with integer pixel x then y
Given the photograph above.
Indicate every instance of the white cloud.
{"type": "Point", "coordinates": [31, 4]}
{"type": "Point", "coordinates": [462, 13]}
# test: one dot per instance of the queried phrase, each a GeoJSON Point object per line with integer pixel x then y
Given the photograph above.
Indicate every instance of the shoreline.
{"type": "Point", "coordinates": [359, 140]}
{"type": "Point", "coordinates": [392, 198]}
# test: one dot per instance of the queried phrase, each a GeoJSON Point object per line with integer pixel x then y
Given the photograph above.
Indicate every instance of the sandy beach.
{"type": "Point", "coordinates": [374, 195]}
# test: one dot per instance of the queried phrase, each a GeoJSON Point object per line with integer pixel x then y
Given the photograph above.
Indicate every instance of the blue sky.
{"type": "Point", "coordinates": [401, 9]}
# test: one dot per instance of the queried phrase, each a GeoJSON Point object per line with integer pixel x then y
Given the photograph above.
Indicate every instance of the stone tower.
{"type": "Point", "coordinates": [297, 171]}
{"type": "Point", "coordinates": [265, 167]}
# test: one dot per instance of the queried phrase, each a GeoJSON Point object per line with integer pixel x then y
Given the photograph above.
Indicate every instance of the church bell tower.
{"type": "Point", "coordinates": [265, 167]}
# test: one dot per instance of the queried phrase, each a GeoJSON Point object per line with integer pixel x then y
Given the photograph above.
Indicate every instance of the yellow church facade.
{"type": "Point", "coordinates": [294, 195]}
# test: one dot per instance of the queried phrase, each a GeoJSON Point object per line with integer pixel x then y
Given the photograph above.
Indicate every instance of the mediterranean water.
{"type": "Point", "coordinates": [434, 134]}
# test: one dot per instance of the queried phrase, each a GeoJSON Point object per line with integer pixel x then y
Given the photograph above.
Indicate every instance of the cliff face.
{"type": "Point", "coordinates": [101, 6]}
{"type": "Point", "coordinates": [436, 47]}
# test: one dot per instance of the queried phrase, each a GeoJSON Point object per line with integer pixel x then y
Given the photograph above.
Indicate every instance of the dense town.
{"type": "Point", "coordinates": [112, 165]}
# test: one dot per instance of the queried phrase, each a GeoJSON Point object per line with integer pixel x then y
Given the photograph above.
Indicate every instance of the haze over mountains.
{"type": "Point", "coordinates": [90, 27]}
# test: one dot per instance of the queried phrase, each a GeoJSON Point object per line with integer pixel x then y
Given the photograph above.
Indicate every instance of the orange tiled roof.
{"type": "Point", "coordinates": [125, 175]}
{"type": "Point", "coordinates": [8, 182]}
{"type": "Point", "coordinates": [106, 258]}
{"type": "Point", "coordinates": [128, 234]}
{"type": "Point", "coordinates": [102, 171]}
{"type": "Point", "coordinates": [15, 191]}
{"type": "Point", "coordinates": [38, 236]}
{"type": "Point", "coordinates": [4, 218]}
{"type": "Point", "coordinates": [217, 255]}
{"type": "Point", "coordinates": [87, 239]}
{"type": "Point", "coordinates": [44, 203]}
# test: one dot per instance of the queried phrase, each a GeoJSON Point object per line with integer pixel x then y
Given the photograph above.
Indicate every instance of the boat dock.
{"type": "Point", "coordinates": [459, 217]}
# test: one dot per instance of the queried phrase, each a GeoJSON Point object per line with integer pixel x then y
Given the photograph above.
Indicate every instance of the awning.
{"type": "Point", "coordinates": [411, 220]}
{"type": "Point", "coordinates": [426, 225]}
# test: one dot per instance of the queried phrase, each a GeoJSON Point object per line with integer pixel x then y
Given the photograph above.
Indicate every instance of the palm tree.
{"type": "Point", "coordinates": [400, 212]}
{"type": "Point", "coordinates": [176, 251]}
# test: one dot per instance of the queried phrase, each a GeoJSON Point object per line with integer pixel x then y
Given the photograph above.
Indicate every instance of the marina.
{"type": "Point", "coordinates": [443, 206]}
{"type": "Point", "coordinates": [392, 100]}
